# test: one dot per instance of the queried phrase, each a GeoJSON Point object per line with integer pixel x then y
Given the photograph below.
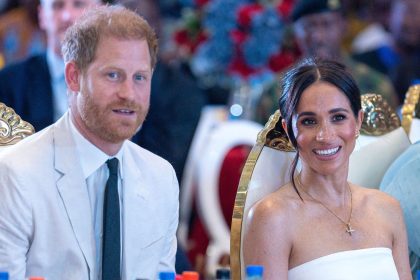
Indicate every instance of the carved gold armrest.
{"type": "Point", "coordinates": [12, 127]}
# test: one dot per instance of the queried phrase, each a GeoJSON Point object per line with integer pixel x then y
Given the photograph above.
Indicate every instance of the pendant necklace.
{"type": "Point", "coordinates": [347, 224]}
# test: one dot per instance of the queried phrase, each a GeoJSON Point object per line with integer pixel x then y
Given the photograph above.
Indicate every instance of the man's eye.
{"type": "Point", "coordinates": [139, 77]}
{"type": "Point", "coordinates": [113, 75]}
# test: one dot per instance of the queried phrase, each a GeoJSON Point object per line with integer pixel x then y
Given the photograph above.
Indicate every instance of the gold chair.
{"type": "Point", "coordinates": [268, 164]}
{"type": "Point", "coordinates": [12, 127]}
{"type": "Point", "coordinates": [411, 113]}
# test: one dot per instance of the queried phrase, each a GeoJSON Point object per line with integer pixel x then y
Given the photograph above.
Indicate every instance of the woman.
{"type": "Point", "coordinates": [320, 226]}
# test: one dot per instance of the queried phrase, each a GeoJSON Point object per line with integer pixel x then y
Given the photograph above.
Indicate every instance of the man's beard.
{"type": "Point", "coordinates": [95, 119]}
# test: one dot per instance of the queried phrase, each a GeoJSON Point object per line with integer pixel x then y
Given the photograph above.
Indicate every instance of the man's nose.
{"type": "Point", "coordinates": [127, 90]}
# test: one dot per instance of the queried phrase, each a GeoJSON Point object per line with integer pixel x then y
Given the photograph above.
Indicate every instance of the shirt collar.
{"type": "Point", "coordinates": [91, 157]}
{"type": "Point", "coordinates": [55, 65]}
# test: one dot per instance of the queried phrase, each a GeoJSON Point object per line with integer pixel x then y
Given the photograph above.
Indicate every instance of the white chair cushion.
{"type": "Point", "coordinates": [373, 155]}
{"type": "Point", "coordinates": [415, 130]}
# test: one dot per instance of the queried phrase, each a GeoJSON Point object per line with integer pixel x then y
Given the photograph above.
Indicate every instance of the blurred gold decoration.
{"type": "Point", "coordinates": [411, 107]}
{"type": "Point", "coordinates": [12, 127]}
{"type": "Point", "coordinates": [379, 118]}
{"type": "Point", "coordinates": [334, 4]}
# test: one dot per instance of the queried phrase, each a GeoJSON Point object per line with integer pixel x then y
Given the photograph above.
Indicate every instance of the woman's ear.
{"type": "Point", "coordinates": [360, 119]}
{"type": "Point", "coordinates": [284, 125]}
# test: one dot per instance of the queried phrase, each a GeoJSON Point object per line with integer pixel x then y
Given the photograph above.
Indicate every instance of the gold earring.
{"type": "Point", "coordinates": [357, 134]}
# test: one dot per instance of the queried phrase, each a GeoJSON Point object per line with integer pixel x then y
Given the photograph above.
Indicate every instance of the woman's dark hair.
{"type": "Point", "coordinates": [299, 78]}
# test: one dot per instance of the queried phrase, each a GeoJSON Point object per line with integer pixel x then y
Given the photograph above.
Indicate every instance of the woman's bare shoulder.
{"type": "Point", "coordinates": [266, 220]}
{"type": "Point", "coordinates": [376, 199]}
{"type": "Point", "coordinates": [277, 205]}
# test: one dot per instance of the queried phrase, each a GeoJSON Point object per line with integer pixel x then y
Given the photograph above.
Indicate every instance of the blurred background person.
{"type": "Point", "coordinates": [402, 181]}
{"type": "Point", "coordinates": [319, 27]}
{"type": "Point", "coordinates": [375, 33]}
{"type": "Point", "coordinates": [399, 59]}
{"type": "Point", "coordinates": [35, 88]}
{"type": "Point", "coordinates": [20, 34]}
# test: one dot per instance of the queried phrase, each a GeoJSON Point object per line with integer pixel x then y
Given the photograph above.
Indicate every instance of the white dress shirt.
{"type": "Point", "coordinates": [96, 173]}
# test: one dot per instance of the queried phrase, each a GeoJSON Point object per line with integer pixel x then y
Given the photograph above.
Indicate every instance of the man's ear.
{"type": "Point", "coordinates": [73, 75]}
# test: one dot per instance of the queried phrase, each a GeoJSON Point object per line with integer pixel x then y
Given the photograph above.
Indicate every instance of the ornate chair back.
{"type": "Point", "coordinates": [222, 140]}
{"type": "Point", "coordinates": [411, 113]}
{"type": "Point", "coordinates": [267, 168]}
{"type": "Point", "coordinates": [12, 127]}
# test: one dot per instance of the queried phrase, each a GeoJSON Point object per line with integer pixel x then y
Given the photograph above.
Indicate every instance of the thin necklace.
{"type": "Point", "coordinates": [349, 229]}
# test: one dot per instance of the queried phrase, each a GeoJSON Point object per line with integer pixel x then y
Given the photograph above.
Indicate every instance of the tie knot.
{"type": "Point", "coordinates": [112, 166]}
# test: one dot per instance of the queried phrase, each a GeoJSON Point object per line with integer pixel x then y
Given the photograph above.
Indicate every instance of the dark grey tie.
{"type": "Point", "coordinates": [111, 244]}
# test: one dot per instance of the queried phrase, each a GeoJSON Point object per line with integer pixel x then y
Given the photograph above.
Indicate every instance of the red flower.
{"type": "Point", "coordinates": [238, 66]}
{"type": "Point", "coordinates": [246, 13]}
{"type": "Point", "coordinates": [190, 42]}
{"type": "Point", "coordinates": [238, 36]}
{"type": "Point", "coordinates": [201, 3]}
{"type": "Point", "coordinates": [281, 60]}
{"type": "Point", "coordinates": [285, 7]}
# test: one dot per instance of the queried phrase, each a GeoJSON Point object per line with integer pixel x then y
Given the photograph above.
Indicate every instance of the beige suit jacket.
{"type": "Point", "coordinates": [46, 226]}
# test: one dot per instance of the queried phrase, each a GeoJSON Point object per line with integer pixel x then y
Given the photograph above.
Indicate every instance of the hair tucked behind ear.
{"type": "Point", "coordinates": [296, 80]}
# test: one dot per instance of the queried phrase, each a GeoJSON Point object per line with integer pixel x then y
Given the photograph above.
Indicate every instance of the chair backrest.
{"type": "Point", "coordinates": [381, 141]}
{"type": "Point", "coordinates": [222, 139]}
{"type": "Point", "coordinates": [12, 127]}
{"type": "Point", "coordinates": [268, 165]}
{"type": "Point", "coordinates": [265, 171]}
{"type": "Point", "coordinates": [411, 113]}
{"type": "Point", "coordinates": [211, 117]}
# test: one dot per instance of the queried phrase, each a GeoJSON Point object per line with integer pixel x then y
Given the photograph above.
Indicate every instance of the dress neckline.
{"type": "Point", "coordinates": [345, 254]}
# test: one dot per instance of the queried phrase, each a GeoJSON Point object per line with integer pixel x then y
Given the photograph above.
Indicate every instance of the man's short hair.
{"type": "Point", "coordinates": [81, 39]}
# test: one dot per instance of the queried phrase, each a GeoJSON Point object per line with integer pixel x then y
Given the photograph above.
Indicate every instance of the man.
{"type": "Point", "coordinates": [400, 59]}
{"type": "Point", "coordinates": [402, 181]}
{"type": "Point", "coordinates": [57, 218]}
{"type": "Point", "coordinates": [319, 27]}
{"type": "Point", "coordinates": [20, 35]}
{"type": "Point", "coordinates": [35, 88]}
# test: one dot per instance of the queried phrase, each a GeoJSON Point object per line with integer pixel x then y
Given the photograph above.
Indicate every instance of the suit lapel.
{"type": "Point", "coordinates": [140, 226]}
{"type": "Point", "coordinates": [73, 190]}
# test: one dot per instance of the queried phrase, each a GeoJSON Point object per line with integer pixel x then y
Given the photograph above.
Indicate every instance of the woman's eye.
{"type": "Point", "coordinates": [308, 122]}
{"type": "Point", "coordinates": [339, 117]}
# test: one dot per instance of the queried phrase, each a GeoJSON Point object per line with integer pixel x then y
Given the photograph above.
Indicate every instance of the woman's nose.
{"type": "Point", "coordinates": [324, 133]}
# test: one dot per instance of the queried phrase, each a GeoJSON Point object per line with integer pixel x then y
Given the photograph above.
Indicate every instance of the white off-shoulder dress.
{"type": "Point", "coordinates": [361, 264]}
